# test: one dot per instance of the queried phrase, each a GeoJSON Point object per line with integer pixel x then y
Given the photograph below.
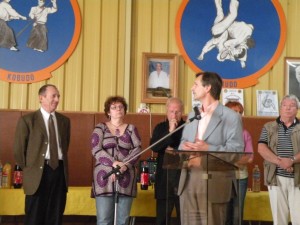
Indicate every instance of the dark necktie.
{"type": "Point", "coordinates": [53, 162]}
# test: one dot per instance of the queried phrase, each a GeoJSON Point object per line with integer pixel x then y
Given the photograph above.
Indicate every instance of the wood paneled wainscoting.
{"type": "Point", "coordinates": [82, 125]}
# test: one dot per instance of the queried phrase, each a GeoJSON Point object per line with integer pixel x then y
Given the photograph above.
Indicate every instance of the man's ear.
{"type": "Point", "coordinates": [207, 88]}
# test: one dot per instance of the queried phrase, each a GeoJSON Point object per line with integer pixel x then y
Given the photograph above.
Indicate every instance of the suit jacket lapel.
{"type": "Point", "coordinates": [59, 121]}
{"type": "Point", "coordinates": [40, 121]}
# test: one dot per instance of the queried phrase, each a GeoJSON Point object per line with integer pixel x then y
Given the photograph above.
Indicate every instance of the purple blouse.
{"type": "Point", "coordinates": [107, 148]}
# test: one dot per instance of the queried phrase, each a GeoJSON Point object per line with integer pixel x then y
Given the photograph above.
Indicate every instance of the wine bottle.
{"type": "Point", "coordinates": [18, 177]}
{"type": "Point", "coordinates": [145, 177]}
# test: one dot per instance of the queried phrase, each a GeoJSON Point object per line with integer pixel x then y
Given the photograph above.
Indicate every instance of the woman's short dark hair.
{"type": "Point", "coordinates": [111, 100]}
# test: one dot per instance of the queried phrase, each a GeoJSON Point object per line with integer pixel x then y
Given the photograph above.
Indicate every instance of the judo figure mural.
{"type": "Point", "coordinates": [38, 15]}
{"type": "Point", "coordinates": [36, 37]}
{"type": "Point", "coordinates": [8, 13]}
{"type": "Point", "coordinates": [228, 37]}
{"type": "Point", "coordinates": [232, 38]}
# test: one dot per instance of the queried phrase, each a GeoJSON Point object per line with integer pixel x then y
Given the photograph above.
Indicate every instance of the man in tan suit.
{"type": "Point", "coordinates": [219, 130]}
{"type": "Point", "coordinates": [45, 177]}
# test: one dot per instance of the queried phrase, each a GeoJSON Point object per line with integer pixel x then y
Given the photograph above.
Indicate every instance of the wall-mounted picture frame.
{"type": "Point", "coordinates": [159, 77]}
{"type": "Point", "coordinates": [292, 76]}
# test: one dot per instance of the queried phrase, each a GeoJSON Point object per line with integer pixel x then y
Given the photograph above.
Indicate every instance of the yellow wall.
{"type": "Point", "coordinates": [108, 57]}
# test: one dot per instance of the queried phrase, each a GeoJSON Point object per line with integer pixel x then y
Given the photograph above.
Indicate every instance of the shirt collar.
{"type": "Point", "coordinates": [209, 109]}
{"type": "Point", "coordinates": [279, 121]}
{"type": "Point", "coordinates": [46, 114]}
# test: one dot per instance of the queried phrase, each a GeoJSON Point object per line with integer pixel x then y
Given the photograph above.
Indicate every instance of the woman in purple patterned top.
{"type": "Point", "coordinates": [113, 143]}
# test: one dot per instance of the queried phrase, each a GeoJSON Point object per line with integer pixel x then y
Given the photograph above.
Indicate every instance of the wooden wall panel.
{"type": "Point", "coordinates": [145, 124]}
{"type": "Point", "coordinates": [33, 99]}
{"type": "Point", "coordinates": [142, 23]}
{"type": "Point", "coordinates": [92, 33]}
{"type": "Point", "coordinates": [80, 156]}
{"type": "Point", "coordinates": [109, 51]}
{"type": "Point", "coordinates": [254, 125]}
{"type": "Point", "coordinates": [8, 123]}
{"type": "Point", "coordinates": [19, 95]}
{"type": "Point", "coordinates": [82, 125]}
{"type": "Point", "coordinates": [4, 95]}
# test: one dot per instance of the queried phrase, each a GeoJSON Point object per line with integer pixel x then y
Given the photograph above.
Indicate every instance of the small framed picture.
{"type": "Point", "coordinates": [159, 78]}
{"type": "Point", "coordinates": [292, 76]}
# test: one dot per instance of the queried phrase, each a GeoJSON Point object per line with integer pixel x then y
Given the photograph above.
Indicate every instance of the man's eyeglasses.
{"type": "Point", "coordinates": [114, 107]}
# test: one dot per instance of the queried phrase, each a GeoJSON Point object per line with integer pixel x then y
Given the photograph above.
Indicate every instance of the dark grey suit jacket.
{"type": "Point", "coordinates": [30, 146]}
{"type": "Point", "coordinates": [224, 133]}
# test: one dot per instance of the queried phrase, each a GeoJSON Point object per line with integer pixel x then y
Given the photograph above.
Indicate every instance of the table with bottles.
{"type": "Point", "coordinates": [79, 202]}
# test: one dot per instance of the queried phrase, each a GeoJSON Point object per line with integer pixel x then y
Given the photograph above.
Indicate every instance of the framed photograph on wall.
{"type": "Point", "coordinates": [292, 76]}
{"type": "Point", "coordinates": [159, 77]}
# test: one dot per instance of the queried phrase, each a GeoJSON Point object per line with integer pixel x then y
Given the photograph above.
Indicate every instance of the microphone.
{"type": "Point", "coordinates": [197, 113]}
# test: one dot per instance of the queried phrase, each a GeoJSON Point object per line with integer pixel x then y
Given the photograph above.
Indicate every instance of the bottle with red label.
{"type": "Point", "coordinates": [145, 176]}
{"type": "Point", "coordinates": [18, 177]}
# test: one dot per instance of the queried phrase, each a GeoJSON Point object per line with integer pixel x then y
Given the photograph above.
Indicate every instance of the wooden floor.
{"type": "Point", "coordinates": [91, 220]}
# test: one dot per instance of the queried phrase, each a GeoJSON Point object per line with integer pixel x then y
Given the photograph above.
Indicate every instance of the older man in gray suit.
{"type": "Point", "coordinates": [41, 149]}
{"type": "Point", "coordinates": [220, 129]}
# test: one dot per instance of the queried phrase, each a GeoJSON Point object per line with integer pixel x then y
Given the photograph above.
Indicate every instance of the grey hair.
{"type": "Point", "coordinates": [175, 100]}
{"type": "Point", "coordinates": [291, 97]}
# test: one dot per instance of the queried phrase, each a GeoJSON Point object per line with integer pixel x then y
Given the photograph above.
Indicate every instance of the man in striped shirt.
{"type": "Point", "coordinates": [279, 145]}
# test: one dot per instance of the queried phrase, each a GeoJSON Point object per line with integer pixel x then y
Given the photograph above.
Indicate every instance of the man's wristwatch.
{"type": "Point", "coordinates": [293, 159]}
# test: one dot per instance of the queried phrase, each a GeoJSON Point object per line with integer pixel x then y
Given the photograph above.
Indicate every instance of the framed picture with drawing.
{"type": "Point", "coordinates": [159, 77]}
{"type": "Point", "coordinates": [292, 76]}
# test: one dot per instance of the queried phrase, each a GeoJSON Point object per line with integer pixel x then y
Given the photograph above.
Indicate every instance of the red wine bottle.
{"type": "Point", "coordinates": [18, 177]}
{"type": "Point", "coordinates": [145, 177]}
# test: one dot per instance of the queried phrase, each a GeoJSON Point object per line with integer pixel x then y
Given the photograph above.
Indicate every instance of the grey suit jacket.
{"type": "Point", "coordinates": [30, 147]}
{"type": "Point", "coordinates": [224, 133]}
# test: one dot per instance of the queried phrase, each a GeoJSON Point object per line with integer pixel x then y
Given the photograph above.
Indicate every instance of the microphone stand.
{"type": "Point", "coordinates": [116, 197]}
{"type": "Point", "coordinates": [117, 168]}
{"type": "Point", "coordinates": [117, 172]}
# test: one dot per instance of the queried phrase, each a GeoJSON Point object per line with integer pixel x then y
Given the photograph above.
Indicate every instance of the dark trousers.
{"type": "Point", "coordinates": [47, 205]}
{"type": "Point", "coordinates": [164, 210]}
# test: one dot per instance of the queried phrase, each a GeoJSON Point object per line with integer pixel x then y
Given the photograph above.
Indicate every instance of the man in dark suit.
{"type": "Point", "coordinates": [220, 129]}
{"type": "Point", "coordinates": [166, 182]}
{"type": "Point", "coordinates": [41, 148]}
